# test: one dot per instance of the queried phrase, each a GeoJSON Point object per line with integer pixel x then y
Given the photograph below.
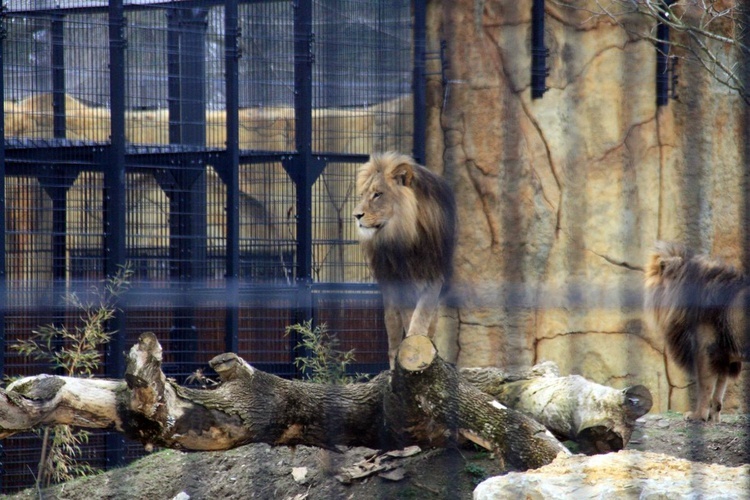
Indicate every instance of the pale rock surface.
{"type": "Point", "coordinates": [622, 475]}
{"type": "Point", "coordinates": [561, 198]}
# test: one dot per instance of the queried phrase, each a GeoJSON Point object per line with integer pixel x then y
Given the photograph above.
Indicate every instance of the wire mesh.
{"type": "Point", "coordinates": [268, 217]}
{"type": "Point", "coordinates": [262, 331]}
{"type": "Point", "coordinates": [356, 320]}
{"type": "Point", "coordinates": [362, 76]}
{"type": "Point", "coordinates": [337, 257]}
{"type": "Point", "coordinates": [267, 71]}
{"type": "Point", "coordinates": [56, 76]}
{"type": "Point", "coordinates": [60, 107]}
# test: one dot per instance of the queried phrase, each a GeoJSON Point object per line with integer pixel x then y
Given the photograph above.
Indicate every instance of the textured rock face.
{"type": "Point", "coordinates": [626, 474]}
{"type": "Point", "coordinates": [561, 198]}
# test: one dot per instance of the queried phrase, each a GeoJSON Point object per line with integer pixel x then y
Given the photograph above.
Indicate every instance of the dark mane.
{"type": "Point", "coordinates": [685, 290]}
{"type": "Point", "coordinates": [430, 256]}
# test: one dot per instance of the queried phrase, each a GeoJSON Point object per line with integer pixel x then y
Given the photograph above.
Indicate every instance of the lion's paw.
{"type": "Point", "coordinates": [695, 416]}
{"type": "Point", "coordinates": [714, 415]}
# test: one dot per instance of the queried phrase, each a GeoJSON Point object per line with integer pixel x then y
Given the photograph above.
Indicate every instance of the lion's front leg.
{"type": "Point", "coordinates": [394, 326]}
{"type": "Point", "coordinates": [424, 318]}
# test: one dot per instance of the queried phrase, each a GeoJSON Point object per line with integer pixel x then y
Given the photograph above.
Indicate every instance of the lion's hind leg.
{"type": "Point", "coordinates": [705, 373]}
{"type": "Point", "coordinates": [714, 414]}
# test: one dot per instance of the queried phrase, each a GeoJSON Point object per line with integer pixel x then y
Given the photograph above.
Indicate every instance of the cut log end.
{"type": "Point", "coordinates": [637, 401]}
{"type": "Point", "coordinates": [228, 366]}
{"type": "Point", "coordinates": [599, 439]}
{"type": "Point", "coordinates": [416, 353]}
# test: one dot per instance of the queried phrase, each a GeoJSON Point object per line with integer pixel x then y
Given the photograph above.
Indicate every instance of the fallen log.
{"type": "Point", "coordinates": [429, 401]}
{"type": "Point", "coordinates": [424, 401]}
{"type": "Point", "coordinates": [598, 418]}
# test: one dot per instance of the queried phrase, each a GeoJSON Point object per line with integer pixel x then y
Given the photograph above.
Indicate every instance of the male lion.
{"type": "Point", "coordinates": [698, 304]}
{"type": "Point", "coordinates": [407, 224]}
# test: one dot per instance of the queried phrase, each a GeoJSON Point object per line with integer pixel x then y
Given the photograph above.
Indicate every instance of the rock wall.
{"type": "Point", "coordinates": [561, 198]}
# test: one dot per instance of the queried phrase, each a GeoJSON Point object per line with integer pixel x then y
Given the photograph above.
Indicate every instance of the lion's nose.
{"type": "Point", "coordinates": [358, 215]}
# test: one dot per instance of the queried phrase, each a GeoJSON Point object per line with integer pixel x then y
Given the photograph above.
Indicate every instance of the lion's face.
{"type": "Point", "coordinates": [376, 206]}
{"type": "Point", "coordinates": [387, 208]}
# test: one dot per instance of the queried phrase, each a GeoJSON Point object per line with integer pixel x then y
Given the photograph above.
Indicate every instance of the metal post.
{"type": "Point", "coordinates": [114, 202]}
{"type": "Point", "coordinates": [58, 76]}
{"type": "Point", "coordinates": [188, 228]}
{"type": "Point", "coordinates": [300, 167]}
{"type": "Point", "coordinates": [173, 75]}
{"type": "Point", "coordinates": [54, 185]}
{"type": "Point", "coordinates": [303, 61]}
{"type": "Point", "coordinates": [57, 191]}
{"type": "Point", "coordinates": [539, 52]}
{"type": "Point", "coordinates": [744, 55]}
{"type": "Point", "coordinates": [192, 57]}
{"type": "Point", "coordinates": [419, 83]}
{"type": "Point", "coordinates": [662, 60]}
{"type": "Point", "coordinates": [231, 174]}
{"type": "Point", "coordinates": [3, 279]}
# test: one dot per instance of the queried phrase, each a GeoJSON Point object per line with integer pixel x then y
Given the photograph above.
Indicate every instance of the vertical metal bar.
{"type": "Point", "coordinates": [744, 45]}
{"type": "Point", "coordinates": [58, 76]}
{"type": "Point", "coordinates": [174, 103]}
{"type": "Point", "coordinates": [419, 83]}
{"type": "Point", "coordinates": [303, 77]}
{"type": "Point", "coordinates": [662, 59]}
{"type": "Point", "coordinates": [55, 190]}
{"type": "Point", "coordinates": [232, 175]}
{"type": "Point", "coordinates": [3, 278]}
{"type": "Point", "coordinates": [302, 164]}
{"type": "Point", "coordinates": [188, 201]}
{"type": "Point", "coordinates": [192, 57]}
{"type": "Point", "coordinates": [56, 187]}
{"type": "Point", "coordinates": [114, 202]}
{"type": "Point", "coordinates": [538, 51]}
{"type": "Point", "coordinates": [173, 75]}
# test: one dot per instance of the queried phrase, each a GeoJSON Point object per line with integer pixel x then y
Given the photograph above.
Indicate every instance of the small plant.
{"type": "Point", "coordinates": [323, 362]}
{"type": "Point", "coordinates": [199, 378]}
{"type": "Point", "coordinates": [75, 352]}
{"type": "Point", "coordinates": [477, 473]}
{"type": "Point", "coordinates": [574, 447]}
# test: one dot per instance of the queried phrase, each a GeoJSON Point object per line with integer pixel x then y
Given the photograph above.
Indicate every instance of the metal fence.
{"type": "Point", "coordinates": [212, 145]}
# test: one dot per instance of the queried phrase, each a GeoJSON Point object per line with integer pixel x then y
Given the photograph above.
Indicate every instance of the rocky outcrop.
{"type": "Point", "coordinates": [561, 198]}
{"type": "Point", "coordinates": [626, 474]}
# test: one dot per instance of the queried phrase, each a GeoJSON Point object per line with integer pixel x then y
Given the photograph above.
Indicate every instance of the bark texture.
{"type": "Point", "coordinates": [599, 418]}
{"type": "Point", "coordinates": [424, 401]}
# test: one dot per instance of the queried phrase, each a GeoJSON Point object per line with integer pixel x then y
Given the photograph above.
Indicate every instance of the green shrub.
{"type": "Point", "coordinates": [322, 361]}
{"type": "Point", "coordinates": [76, 352]}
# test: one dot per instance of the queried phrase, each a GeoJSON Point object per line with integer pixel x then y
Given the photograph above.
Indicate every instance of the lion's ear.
{"type": "Point", "coordinates": [403, 174]}
{"type": "Point", "coordinates": [670, 264]}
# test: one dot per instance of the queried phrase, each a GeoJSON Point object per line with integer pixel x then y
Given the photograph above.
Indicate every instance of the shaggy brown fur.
{"type": "Point", "coordinates": [407, 223]}
{"type": "Point", "coordinates": [698, 304]}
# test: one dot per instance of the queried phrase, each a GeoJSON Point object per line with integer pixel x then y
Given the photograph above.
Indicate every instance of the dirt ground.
{"type": "Point", "coordinates": [265, 472]}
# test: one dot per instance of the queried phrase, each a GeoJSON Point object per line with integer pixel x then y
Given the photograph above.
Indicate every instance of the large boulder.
{"type": "Point", "coordinates": [626, 474]}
